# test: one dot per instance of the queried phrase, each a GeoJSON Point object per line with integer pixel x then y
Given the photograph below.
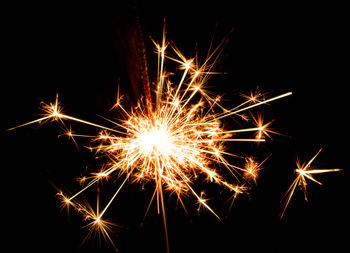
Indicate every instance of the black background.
{"type": "Point", "coordinates": [70, 49]}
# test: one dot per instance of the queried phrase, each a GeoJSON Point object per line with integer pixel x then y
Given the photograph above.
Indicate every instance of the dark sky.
{"type": "Point", "coordinates": [74, 50]}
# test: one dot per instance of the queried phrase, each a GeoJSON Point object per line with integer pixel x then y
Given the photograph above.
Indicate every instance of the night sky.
{"type": "Point", "coordinates": [75, 51]}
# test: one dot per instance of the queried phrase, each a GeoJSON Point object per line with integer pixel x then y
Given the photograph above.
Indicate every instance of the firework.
{"type": "Point", "coordinates": [304, 171]}
{"type": "Point", "coordinates": [172, 143]}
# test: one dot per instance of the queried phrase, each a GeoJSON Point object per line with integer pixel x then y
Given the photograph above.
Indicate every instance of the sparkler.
{"type": "Point", "coordinates": [304, 171]}
{"type": "Point", "coordinates": [172, 143]}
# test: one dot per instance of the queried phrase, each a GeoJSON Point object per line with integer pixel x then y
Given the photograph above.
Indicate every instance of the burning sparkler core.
{"type": "Point", "coordinates": [170, 144]}
{"type": "Point", "coordinates": [155, 141]}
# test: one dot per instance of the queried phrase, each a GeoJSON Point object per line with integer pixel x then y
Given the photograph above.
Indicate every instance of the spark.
{"type": "Point", "coordinates": [263, 129]}
{"type": "Point", "coordinates": [304, 171]}
{"type": "Point", "coordinates": [252, 168]}
{"type": "Point", "coordinates": [177, 141]}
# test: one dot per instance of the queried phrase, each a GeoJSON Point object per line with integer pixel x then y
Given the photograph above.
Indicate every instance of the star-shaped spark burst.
{"type": "Point", "coordinates": [304, 171]}
{"type": "Point", "coordinates": [172, 143]}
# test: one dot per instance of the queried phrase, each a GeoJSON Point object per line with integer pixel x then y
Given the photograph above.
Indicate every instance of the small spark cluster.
{"type": "Point", "coordinates": [304, 171]}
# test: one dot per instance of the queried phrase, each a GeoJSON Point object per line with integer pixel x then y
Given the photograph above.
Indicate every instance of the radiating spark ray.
{"type": "Point", "coordinates": [115, 194]}
{"type": "Point", "coordinates": [164, 218]}
{"type": "Point", "coordinates": [189, 85]}
{"type": "Point", "coordinates": [88, 123]}
{"type": "Point", "coordinates": [161, 56]}
{"type": "Point", "coordinates": [82, 135]}
{"type": "Point", "coordinates": [255, 105]}
{"type": "Point", "coordinates": [149, 206]}
{"type": "Point", "coordinates": [322, 171]}
{"type": "Point", "coordinates": [83, 189]}
{"type": "Point", "coordinates": [181, 82]}
{"type": "Point", "coordinates": [243, 130]}
{"type": "Point", "coordinates": [239, 140]}
{"type": "Point", "coordinates": [31, 122]}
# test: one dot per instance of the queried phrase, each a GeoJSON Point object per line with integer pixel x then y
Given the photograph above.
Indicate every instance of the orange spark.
{"type": "Point", "coordinates": [304, 171]}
